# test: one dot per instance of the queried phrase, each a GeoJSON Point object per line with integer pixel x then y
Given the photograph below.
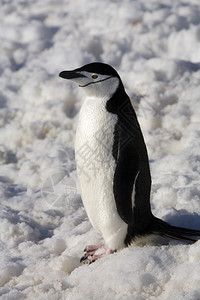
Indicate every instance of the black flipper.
{"type": "Point", "coordinates": [132, 174]}
{"type": "Point", "coordinates": [127, 168]}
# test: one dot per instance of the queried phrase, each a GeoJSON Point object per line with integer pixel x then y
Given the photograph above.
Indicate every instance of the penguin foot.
{"type": "Point", "coordinates": [90, 256]}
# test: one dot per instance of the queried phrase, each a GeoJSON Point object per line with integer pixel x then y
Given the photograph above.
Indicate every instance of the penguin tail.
{"type": "Point", "coordinates": [178, 233]}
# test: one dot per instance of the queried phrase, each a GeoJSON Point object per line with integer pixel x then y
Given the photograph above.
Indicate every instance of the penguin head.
{"type": "Point", "coordinates": [97, 79]}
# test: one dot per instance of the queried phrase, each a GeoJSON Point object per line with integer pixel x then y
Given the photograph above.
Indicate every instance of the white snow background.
{"type": "Point", "coordinates": [155, 47]}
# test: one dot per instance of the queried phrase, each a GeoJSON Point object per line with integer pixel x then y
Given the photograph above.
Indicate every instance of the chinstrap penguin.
{"type": "Point", "coordinates": [113, 165]}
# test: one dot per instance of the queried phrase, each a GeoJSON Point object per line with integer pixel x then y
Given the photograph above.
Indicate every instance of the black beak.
{"type": "Point", "coordinates": [70, 74]}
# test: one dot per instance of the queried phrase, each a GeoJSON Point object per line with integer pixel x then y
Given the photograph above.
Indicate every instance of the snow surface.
{"type": "Point", "coordinates": [155, 46]}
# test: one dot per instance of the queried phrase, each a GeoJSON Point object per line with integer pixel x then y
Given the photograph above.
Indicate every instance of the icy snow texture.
{"type": "Point", "coordinates": [155, 46]}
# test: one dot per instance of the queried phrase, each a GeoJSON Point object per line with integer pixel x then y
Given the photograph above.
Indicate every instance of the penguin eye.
{"type": "Point", "coordinates": [94, 76]}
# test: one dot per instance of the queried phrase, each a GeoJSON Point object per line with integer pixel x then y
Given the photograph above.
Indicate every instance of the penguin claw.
{"type": "Point", "coordinates": [87, 255]}
{"type": "Point", "coordinates": [91, 248]}
{"type": "Point", "coordinates": [90, 256]}
{"type": "Point", "coordinates": [83, 258]}
{"type": "Point", "coordinates": [86, 260]}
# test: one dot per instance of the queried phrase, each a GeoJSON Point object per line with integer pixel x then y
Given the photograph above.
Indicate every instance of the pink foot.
{"type": "Point", "coordinates": [90, 256]}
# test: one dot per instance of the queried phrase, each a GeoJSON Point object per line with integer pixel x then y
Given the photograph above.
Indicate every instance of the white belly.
{"type": "Point", "coordinates": [95, 168]}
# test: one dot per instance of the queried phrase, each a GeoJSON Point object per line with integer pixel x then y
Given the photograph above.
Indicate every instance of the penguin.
{"type": "Point", "coordinates": [113, 165]}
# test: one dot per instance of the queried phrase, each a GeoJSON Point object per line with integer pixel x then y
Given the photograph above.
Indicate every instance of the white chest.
{"type": "Point", "coordinates": [94, 136]}
{"type": "Point", "coordinates": [95, 169]}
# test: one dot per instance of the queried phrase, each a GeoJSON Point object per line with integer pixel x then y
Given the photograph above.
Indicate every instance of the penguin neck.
{"type": "Point", "coordinates": [93, 111]}
{"type": "Point", "coordinates": [118, 100]}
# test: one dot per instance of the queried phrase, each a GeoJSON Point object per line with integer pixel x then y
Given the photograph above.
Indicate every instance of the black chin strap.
{"type": "Point", "coordinates": [95, 82]}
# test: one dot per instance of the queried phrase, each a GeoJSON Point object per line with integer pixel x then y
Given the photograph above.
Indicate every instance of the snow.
{"type": "Point", "coordinates": [155, 47]}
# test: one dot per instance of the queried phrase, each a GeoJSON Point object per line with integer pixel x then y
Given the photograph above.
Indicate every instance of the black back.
{"type": "Point", "coordinates": [132, 167]}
